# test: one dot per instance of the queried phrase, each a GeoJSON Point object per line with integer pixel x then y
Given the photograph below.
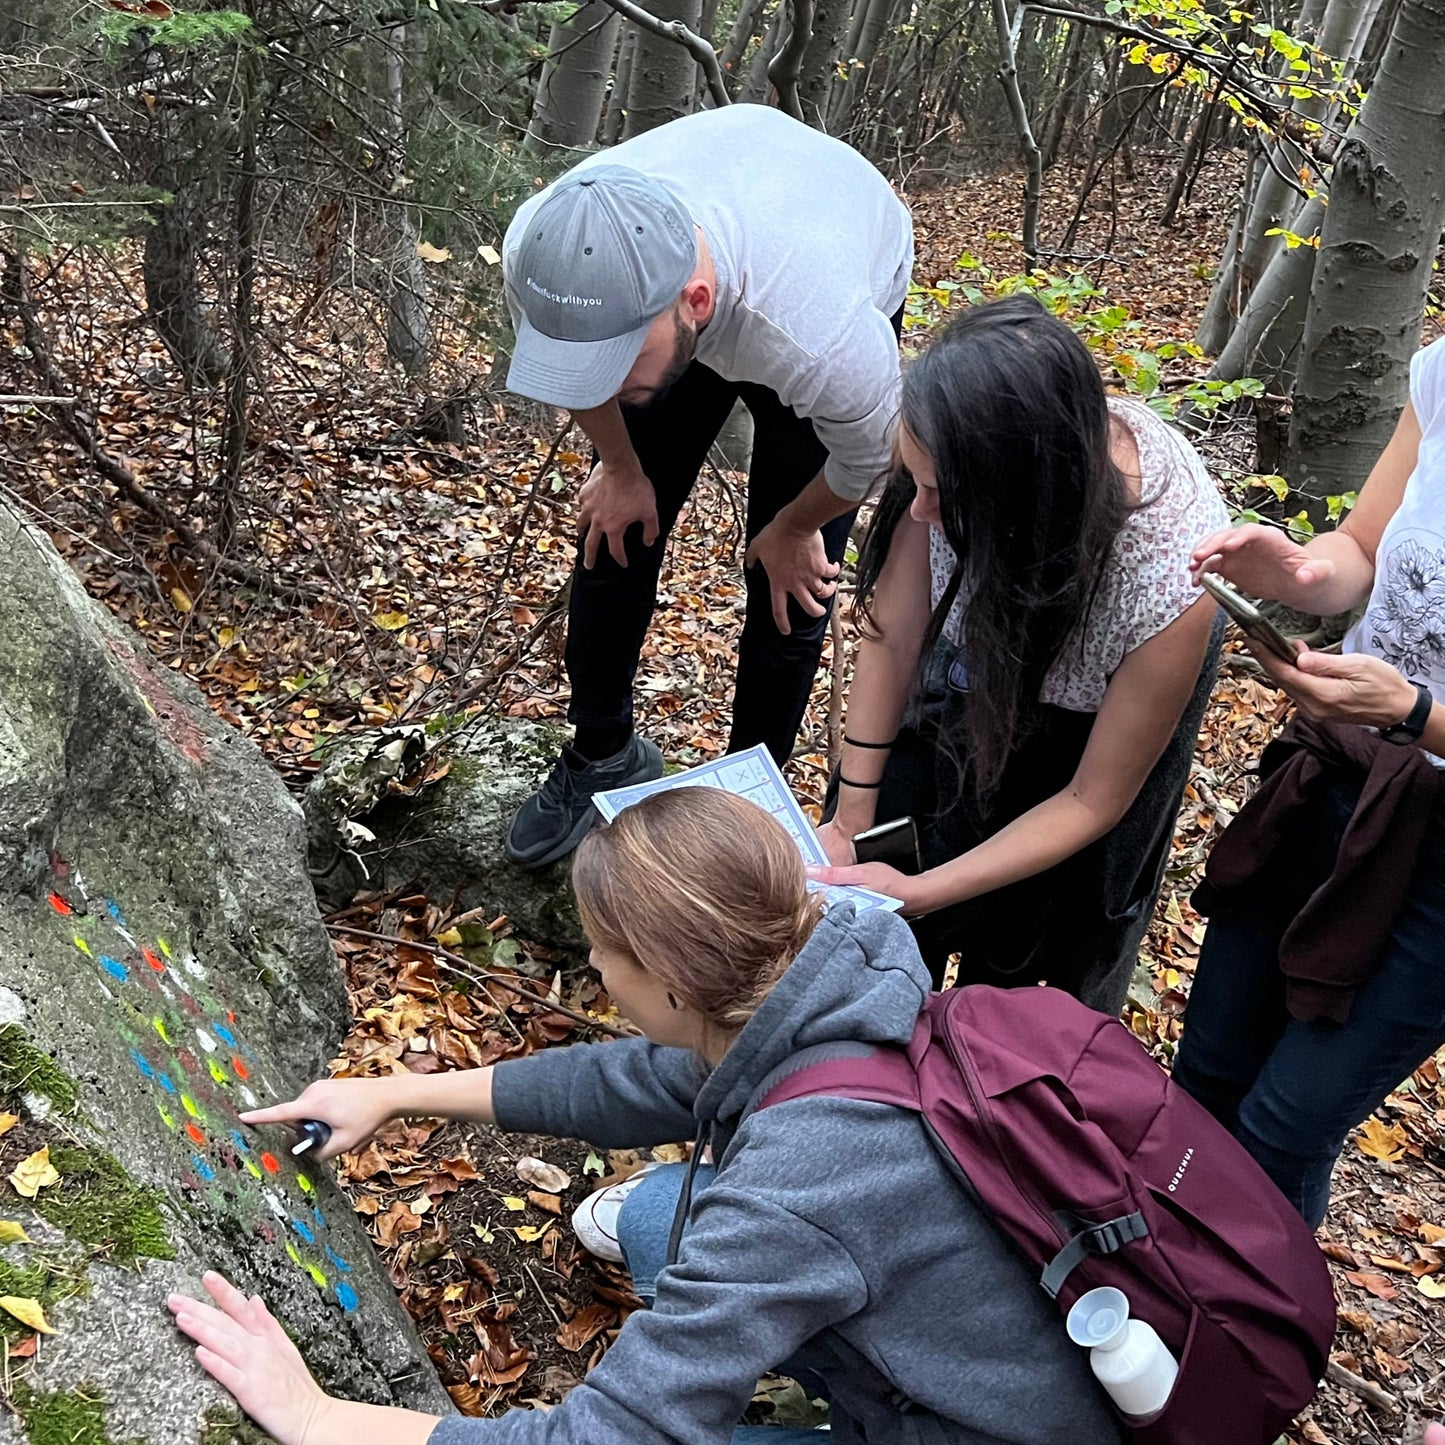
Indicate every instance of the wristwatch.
{"type": "Point", "coordinates": [1410, 729]}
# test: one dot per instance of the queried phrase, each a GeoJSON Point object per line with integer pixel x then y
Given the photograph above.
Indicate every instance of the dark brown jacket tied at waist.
{"type": "Point", "coordinates": [1335, 942]}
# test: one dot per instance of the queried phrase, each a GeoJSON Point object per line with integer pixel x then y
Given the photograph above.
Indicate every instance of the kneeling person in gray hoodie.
{"type": "Point", "coordinates": [831, 1242]}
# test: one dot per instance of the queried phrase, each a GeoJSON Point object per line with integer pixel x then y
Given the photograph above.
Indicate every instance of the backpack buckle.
{"type": "Point", "coordinates": [1090, 1240]}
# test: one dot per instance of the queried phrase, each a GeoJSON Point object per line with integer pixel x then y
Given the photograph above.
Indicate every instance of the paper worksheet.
{"type": "Point", "coordinates": [752, 775]}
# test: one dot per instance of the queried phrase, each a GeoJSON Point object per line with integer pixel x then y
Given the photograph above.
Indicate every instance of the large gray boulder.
{"type": "Point", "coordinates": [162, 966]}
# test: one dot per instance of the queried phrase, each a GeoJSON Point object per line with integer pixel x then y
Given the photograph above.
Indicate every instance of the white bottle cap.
{"type": "Point", "coordinates": [1099, 1318]}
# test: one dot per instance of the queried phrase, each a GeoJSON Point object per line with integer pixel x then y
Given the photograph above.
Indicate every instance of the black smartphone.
{"type": "Point", "coordinates": [895, 844]}
{"type": "Point", "coordinates": [1246, 614]}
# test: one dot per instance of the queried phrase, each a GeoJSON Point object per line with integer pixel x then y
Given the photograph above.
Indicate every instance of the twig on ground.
{"type": "Point", "coordinates": [1372, 1394]}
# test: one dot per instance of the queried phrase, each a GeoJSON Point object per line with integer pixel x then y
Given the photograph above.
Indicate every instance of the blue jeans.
{"type": "Point", "coordinates": [1291, 1092]}
{"type": "Point", "coordinates": [643, 1227]}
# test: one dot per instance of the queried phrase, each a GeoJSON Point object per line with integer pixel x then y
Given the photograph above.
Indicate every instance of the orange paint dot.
{"type": "Point", "coordinates": [194, 1134]}
{"type": "Point", "coordinates": [270, 1164]}
{"type": "Point", "coordinates": [242, 1072]}
{"type": "Point", "coordinates": [230, 1017]}
{"type": "Point", "coordinates": [60, 905]}
{"type": "Point", "coordinates": [151, 959]}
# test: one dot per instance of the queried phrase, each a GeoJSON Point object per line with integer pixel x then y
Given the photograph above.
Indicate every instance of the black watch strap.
{"type": "Point", "coordinates": [1410, 729]}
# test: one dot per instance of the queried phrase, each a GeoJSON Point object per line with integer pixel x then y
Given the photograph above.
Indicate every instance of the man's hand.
{"type": "Point", "coordinates": [249, 1354]}
{"type": "Point", "coordinates": [797, 565]}
{"type": "Point", "coordinates": [1354, 688]}
{"type": "Point", "coordinates": [613, 499]}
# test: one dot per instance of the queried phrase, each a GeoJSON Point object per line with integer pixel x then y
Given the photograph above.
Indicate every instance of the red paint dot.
{"type": "Point", "coordinates": [60, 905]}
{"type": "Point", "coordinates": [155, 963]}
{"type": "Point", "coordinates": [230, 1017]}
{"type": "Point", "coordinates": [194, 1134]}
{"type": "Point", "coordinates": [269, 1164]}
{"type": "Point", "coordinates": [242, 1072]}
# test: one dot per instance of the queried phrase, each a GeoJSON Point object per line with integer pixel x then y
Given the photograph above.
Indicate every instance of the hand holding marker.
{"type": "Point", "coordinates": [313, 1134]}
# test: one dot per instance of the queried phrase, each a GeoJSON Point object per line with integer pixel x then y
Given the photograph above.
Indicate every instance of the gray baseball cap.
{"type": "Point", "coordinates": [604, 255]}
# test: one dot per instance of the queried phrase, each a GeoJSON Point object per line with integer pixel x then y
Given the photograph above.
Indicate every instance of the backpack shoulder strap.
{"type": "Point", "coordinates": [877, 1074]}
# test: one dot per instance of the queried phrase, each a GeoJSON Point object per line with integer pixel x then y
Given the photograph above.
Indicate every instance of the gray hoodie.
{"type": "Point", "coordinates": [833, 1237]}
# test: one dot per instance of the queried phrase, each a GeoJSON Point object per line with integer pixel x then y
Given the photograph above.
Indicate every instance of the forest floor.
{"type": "Point", "coordinates": [396, 566]}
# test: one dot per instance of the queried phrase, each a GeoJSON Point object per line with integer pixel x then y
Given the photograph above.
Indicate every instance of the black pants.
{"type": "Point", "coordinates": [611, 606]}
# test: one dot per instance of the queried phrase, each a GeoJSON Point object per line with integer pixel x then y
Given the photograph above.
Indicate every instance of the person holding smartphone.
{"type": "Point", "coordinates": [1321, 984]}
{"type": "Point", "coordinates": [1035, 662]}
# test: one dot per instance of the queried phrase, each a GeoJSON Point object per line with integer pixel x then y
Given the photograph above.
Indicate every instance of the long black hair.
{"type": "Point", "coordinates": [1010, 407]}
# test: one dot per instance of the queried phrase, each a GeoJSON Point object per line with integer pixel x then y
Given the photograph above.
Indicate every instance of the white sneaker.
{"type": "Point", "coordinates": [594, 1221]}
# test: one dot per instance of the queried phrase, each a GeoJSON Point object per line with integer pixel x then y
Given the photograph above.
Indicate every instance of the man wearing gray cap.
{"type": "Point", "coordinates": [733, 254]}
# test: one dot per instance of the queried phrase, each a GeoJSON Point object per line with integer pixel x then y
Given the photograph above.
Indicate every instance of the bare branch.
{"type": "Point", "coordinates": [675, 30]}
{"type": "Point", "coordinates": [786, 66]}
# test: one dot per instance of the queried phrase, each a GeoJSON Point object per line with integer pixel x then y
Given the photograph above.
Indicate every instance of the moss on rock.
{"type": "Point", "coordinates": [222, 1426]}
{"type": "Point", "coordinates": [65, 1417]}
{"type": "Point", "coordinates": [24, 1069]}
{"type": "Point", "coordinates": [99, 1204]}
{"type": "Point", "coordinates": [44, 1278]}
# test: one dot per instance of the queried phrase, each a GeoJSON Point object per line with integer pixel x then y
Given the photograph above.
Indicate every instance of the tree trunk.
{"type": "Point", "coordinates": [1033, 161]}
{"type": "Point", "coordinates": [404, 285]}
{"type": "Point", "coordinates": [744, 27]}
{"type": "Point", "coordinates": [175, 302]}
{"type": "Point", "coordinates": [820, 59]}
{"type": "Point", "coordinates": [570, 94]}
{"type": "Point", "coordinates": [755, 88]}
{"type": "Point", "coordinates": [1064, 101]}
{"type": "Point", "coordinates": [1381, 233]}
{"type": "Point", "coordinates": [616, 116]}
{"type": "Point", "coordinates": [663, 84]}
{"type": "Point", "coordinates": [872, 20]}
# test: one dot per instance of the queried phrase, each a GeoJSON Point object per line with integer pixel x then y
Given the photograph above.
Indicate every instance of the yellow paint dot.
{"type": "Point", "coordinates": [317, 1277]}
{"type": "Point", "coordinates": [292, 1255]}
{"type": "Point", "coordinates": [217, 1072]}
{"type": "Point", "coordinates": [251, 1169]}
{"type": "Point", "coordinates": [305, 1183]}
{"type": "Point", "coordinates": [167, 1118]}
{"type": "Point", "coordinates": [159, 1025]}
{"type": "Point", "coordinates": [165, 947]}
{"type": "Point", "coordinates": [82, 945]}
{"type": "Point", "coordinates": [189, 1105]}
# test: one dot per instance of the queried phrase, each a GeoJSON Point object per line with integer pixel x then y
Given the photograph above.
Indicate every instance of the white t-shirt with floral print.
{"type": "Point", "coordinates": [1147, 584]}
{"type": "Point", "coordinates": [1404, 621]}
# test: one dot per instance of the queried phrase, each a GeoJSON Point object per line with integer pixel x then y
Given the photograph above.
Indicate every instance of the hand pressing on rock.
{"type": "Point", "coordinates": [1434, 1435]}
{"type": "Point", "coordinates": [244, 1349]}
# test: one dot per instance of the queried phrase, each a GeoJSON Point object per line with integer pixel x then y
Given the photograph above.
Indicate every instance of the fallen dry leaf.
{"type": "Point", "coordinates": [32, 1175]}
{"type": "Point", "coordinates": [27, 1311]}
{"type": "Point", "coordinates": [585, 1326]}
{"type": "Point", "coordinates": [8, 1122]}
{"type": "Point", "coordinates": [543, 1175]}
{"type": "Point", "coordinates": [13, 1233]}
{"type": "Point", "coordinates": [1376, 1284]}
{"type": "Point", "coordinates": [1380, 1141]}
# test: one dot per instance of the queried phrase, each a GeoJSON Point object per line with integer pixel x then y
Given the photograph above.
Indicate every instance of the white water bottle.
{"type": "Point", "coordinates": [1129, 1359]}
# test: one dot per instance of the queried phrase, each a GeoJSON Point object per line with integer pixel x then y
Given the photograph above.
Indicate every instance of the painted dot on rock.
{"type": "Point", "coordinates": [165, 947]}
{"type": "Point", "coordinates": [167, 1083]}
{"type": "Point", "coordinates": [242, 1072]}
{"type": "Point", "coordinates": [230, 1016]}
{"type": "Point", "coordinates": [115, 968]}
{"type": "Point", "coordinates": [194, 1134]}
{"type": "Point", "coordinates": [205, 1041]}
{"type": "Point", "coordinates": [337, 1260]}
{"type": "Point", "coordinates": [142, 1063]}
{"type": "Point", "coordinates": [251, 1169]}
{"type": "Point", "coordinates": [239, 1140]}
{"type": "Point", "coordinates": [346, 1296]}
{"type": "Point", "coordinates": [304, 1184]}
{"type": "Point", "coordinates": [59, 905]}
{"type": "Point", "coordinates": [82, 945]}
{"type": "Point", "coordinates": [225, 1036]}
{"type": "Point", "coordinates": [270, 1164]}
{"type": "Point", "coordinates": [167, 1118]}
{"type": "Point", "coordinates": [304, 1231]}
{"type": "Point", "coordinates": [218, 1073]}
{"type": "Point", "coordinates": [317, 1278]}
{"type": "Point", "coordinates": [189, 1105]}
{"type": "Point", "coordinates": [159, 1025]}
{"type": "Point", "coordinates": [202, 1168]}
{"type": "Point", "coordinates": [113, 908]}
{"type": "Point", "coordinates": [156, 965]}
{"type": "Point", "coordinates": [319, 1217]}
{"type": "Point", "coordinates": [291, 1253]}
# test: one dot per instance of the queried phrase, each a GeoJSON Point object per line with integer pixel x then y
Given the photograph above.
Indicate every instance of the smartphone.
{"type": "Point", "coordinates": [895, 844]}
{"type": "Point", "coordinates": [1246, 614]}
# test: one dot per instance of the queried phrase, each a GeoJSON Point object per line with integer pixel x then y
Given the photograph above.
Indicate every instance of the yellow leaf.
{"type": "Point", "coordinates": [435, 254]}
{"type": "Point", "coordinates": [391, 621]}
{"type": "Point", "coordinates": [27, 1311]}
{"type": "Point", "coordinates": [181, 602]}
{"type": "Point", "coordinates": [1380, 1142]}
{"type": "Point", "coordinates": [8, 1122]}
{"type": "Point", "coordinates": [13, 1233]}
{"type": "Point", "coordinates": [1171, 978]}
{"type": "Point", "coordinates": [1432, 1234]}
{"type": "Point", "coordinates": [1430, 1286]}
{"type": "Point", "coordinates": [513, 1203]}
{"type": "Point", "coordinates": [453, 1292]}
{"type": "Point", "coordinates": [452, 938]}
{"type": "Point", "coordinates": [484, 1234]}
{"type": "Point", "coordinates": [489, 255]}
{"type": "Point", "coordinates": [528, 1232]}
{"type": "Point", "coordinates": [32, 1175]}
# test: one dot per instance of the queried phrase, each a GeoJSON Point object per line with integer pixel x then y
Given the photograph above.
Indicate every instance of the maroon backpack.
{"type": "Point", "coordinates": [1102, 1171]}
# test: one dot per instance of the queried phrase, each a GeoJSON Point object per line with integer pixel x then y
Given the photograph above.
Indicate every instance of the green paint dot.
{"type": "Point", "coordinates": [217, 1072]}
{"type": "Point", "coordinates": [292, 1255]}
{"type": "Point", "coordinates": [189, 1105]}
{"type": "Point", "coordinates": [251, 1169]}
{"type": "Point", "coordinates": [159, 1025]}
{"type": "Point", "coordinates": [165, 947]}
{"type": "Point", "coordinates": [317, 1277]}
{"type": "Point", "coordinates": [305, 1183]}
{"type": "Point", "coordinates": [82, 945]}
{"type": "Point", "coordinates": [167, 1118]}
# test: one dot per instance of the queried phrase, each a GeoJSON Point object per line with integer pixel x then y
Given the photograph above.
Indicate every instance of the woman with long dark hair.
{"type": "Point", "coordinates": [1035, 661]}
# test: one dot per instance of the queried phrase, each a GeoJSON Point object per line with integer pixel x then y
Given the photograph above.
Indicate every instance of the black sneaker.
{"type": "Point", "coordinates": [555, 819]}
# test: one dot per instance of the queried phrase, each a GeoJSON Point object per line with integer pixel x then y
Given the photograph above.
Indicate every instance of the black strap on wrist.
{"type": "Point", "coordinates": [849, 783]}
{"type": "Point", "coordinates": [1410, 727]}
{"type": "Point", "coordinates": [880, 747]}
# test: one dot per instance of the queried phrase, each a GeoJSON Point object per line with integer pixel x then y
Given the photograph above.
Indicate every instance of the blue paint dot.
{"type": "Point", "coordinates": [167, 1084]}
{"type": "Point", "coordinates": [115, 968]}
{"type": "Point", "coordinates": [319, 1217]}
{"type": "Point", "coordinates": [142, 1063]}
{"type": "Point", "coordinates": [239, 1140]}
{"type": "Point", "coordinates": [202, 1168]}
{"type": "Point", "coordinates": [225, 1035]}
{"type": "Point", "coordinates": [113, 908]}
{"type": "Point", "coordinates": [346, 1297]}
{"type": "Point", "coordinates": [337, 1260]}
{"type": "Point", "coordinates": [303, 1231]}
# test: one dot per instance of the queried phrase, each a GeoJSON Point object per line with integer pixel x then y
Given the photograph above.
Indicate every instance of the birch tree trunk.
{"type": "Point", "coordinates": [404, 285]}
{"type": "Point", "coordinates": [570, 95]}
{"type": "Point", "coordinates": [1377, 249]}
{"type": "Point", "coordinates": [663, 83]}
